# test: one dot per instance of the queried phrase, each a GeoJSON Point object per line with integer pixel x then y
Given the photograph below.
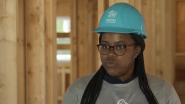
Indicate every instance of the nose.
{"type": "Point", "coordinates": [111, 52]}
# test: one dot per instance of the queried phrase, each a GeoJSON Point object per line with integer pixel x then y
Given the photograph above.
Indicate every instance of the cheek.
{"type": "Point", "coordinates": [125, 60]}
{"type": "Point", "coordinates": [102, 58]}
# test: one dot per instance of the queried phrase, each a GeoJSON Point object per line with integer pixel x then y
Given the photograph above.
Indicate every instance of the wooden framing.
{"type": "Point", "coordinates": [35, 52]}
{"type": "Point", "coordinates": [21, 54]}
{"type": "Point", "coordinates": [73, 36]}
{"type": "Point", "coordinates": [28, 45]}
{"type": "Point", "coordinates": [40, 51]}
{"type": "Point", "coordinates": [180, 5]}
{"type": "Point", "coordinates": [8, 51]}
{"type": "Point", "coordinates": [62, 70]}
{"type": "Point", "coordinates": [63, 35]}
{"type": "Point", "coordinates": [179, 51]}
{"type": "Point", "coordinates": [63, 7]}
{"type": "Point", "coordinates": [96, 15]}
{"type": "Point", "coordinates": [63, 47]}
{"type": "Point", "coordinates": [101, 9]}
{"type": "Point", "coordinates": [50, 51]}
{"type": "Point", "coordinates": [82, 31]}
{"type": "Point", "coordinates": [111, 2]}
{"type": "Point", "coordinates": [90, 36]}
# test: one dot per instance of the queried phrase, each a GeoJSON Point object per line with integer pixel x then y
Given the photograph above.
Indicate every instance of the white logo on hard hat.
{"type": "Point", "coordinates": [122, 101]}
{"type": "Point", "coordinates": [112, 14]}
{"type": "Point", "coordinates": [111, 17]}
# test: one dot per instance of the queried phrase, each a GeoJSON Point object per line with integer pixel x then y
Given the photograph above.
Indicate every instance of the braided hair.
{"type": "Point", "coordinates": [94, 86]}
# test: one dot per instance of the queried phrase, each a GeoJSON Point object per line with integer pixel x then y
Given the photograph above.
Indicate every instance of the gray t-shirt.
{"type": "Point", "coordinates": [129, 93]}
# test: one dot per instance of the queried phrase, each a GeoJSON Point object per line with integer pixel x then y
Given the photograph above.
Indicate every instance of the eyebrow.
{"type": "Point", "coordinates": [115, 42]}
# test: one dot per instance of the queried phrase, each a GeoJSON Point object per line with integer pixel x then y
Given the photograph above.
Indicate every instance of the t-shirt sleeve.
{"type": "Point", "coordinates": [70, 96]}
{"type": "Point", "coordinates": [172, 97]}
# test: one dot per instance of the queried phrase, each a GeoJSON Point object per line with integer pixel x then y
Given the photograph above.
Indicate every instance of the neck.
{"type": "Point", "coordinates": [127, 75]}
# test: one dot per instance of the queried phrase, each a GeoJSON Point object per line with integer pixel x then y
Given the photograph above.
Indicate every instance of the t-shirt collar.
{"type": "Point", "coordinates": [114, 80]}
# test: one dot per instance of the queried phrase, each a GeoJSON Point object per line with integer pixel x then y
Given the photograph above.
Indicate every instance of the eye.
{"type": "Point", "coordinates": [104, 46]}
{"type": "Point", "coordinates": [120, 47]}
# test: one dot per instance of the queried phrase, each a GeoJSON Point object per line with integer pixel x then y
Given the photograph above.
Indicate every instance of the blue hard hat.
{"type": "Point", "coordinates": [122, 18]}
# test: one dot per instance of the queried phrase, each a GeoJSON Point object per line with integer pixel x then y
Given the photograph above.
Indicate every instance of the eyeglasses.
{"type": "Point", "coordinates": [119, 50]}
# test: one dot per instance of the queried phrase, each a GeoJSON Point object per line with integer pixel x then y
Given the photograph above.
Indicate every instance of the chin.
{"type": "Point", "coordinates": [114, 72]}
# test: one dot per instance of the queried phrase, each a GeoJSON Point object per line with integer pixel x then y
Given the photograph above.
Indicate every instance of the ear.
{"type": "Point", "coordinates": [137, 51]}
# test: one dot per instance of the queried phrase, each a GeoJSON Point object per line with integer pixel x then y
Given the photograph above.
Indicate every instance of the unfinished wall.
{"type": "Point", "coordinates": [8, 51]}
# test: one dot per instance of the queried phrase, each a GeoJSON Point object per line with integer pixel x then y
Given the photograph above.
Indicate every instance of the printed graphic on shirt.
{"type": "Point", "coordinates": [111, 17]}
{"type": "Point", "coordinates": [122, 101]}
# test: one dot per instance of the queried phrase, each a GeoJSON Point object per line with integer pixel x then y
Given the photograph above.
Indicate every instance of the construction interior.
{"type": "Point", "coordinates": [45, 45]}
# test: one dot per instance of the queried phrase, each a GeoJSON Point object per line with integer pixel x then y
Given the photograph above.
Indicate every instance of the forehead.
{"type": "Point", "coordinates": [116, 37]}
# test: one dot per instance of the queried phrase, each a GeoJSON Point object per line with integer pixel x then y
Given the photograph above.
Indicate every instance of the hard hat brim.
{"type": "Point", "coordinates": [119, 30]}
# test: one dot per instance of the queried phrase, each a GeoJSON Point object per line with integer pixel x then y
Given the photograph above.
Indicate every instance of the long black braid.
{"type": "Point", "coordinates": [94, 86]}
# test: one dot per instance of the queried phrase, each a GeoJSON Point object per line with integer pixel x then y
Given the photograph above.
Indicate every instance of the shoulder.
{"type": "Point", "coordinates": [155, 80]}
{"type": "Point", "coordinates": [81, 82]}
{"type": "Point", "coordinates": [163, 90]}
{"type": "Point", "coordinates": [75, 91]}
{"type": "Point", "coordinates": [158, 83]}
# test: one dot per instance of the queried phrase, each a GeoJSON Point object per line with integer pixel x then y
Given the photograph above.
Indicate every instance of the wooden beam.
{"type": "Point", "coordinates": [63, 35]}
{"type": "Point", "coordinates": [63, 8]}
{"type": "Point", "coordinates": [82, 31]}
{"type": "Point", "coordinates": [62, 0]}
{"type": "Point", "coordinates": [35, 52]}
{"type": "Point", "coordinates": [74, 39]}
{"type": "Point", "coordinates": [8, 51]}
{"type": "Point", "coordinates": [159, 57]}
{"type": "Point", "coordinates": [63, 46]}
{"type": "Point", "coordinates": [180, 6]}
{"type": "Point", "coordinates": [101, 9]}
{"type": "Point", "coordinates": [125, 1]}
{"type": "Point", "coordinates": [111, 2]}
{"type": "Point", "coordinates": [50, 51]}
{"type": "Point", "coordinates": [159, 30]}
{"type": "Point", "coordinates": [97, 10]}
{"type": "Point", "coordinates": [137, 4]}
{"type": "Point", "coordinates": [169, 51]}
{"type": "Point", "coordinates": [148, 12]}
{"type": "Point", "coordinates": [90, 35]}
{"type": "Point", "coordinates": [180, 59]}
{"type": "Point", "coordinates": [40, 31]}
{"type": "Point", "coordinates": [21, 54]}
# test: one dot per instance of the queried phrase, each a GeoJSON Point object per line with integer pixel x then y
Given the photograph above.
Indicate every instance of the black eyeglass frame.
{"type": "Point", "coordinates": [113, 48]}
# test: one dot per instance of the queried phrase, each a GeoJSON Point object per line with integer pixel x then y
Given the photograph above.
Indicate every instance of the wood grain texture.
{"type": "Point", "coordinates": [159, 54]}
{"type": "Point", "coordinates": [8, 51]}
{"type": "Point", "coordinates": [40, 20]}
{"type": "Point", "coordinates": [63, 35]}
{"type": "Point", "coordinates": [180, 25]}
{"type": "Point", "coordinates": [169, 48]}
{"type": "Point", "coordinates": [111, 2]}
{"type": "Point", "coordinates": [179, 87]}
{"type": "Point", "coordinates": [50, 51]}
{"type": "Point", "coordinates": [63, 47]}
{"type": "Point", "coordinates": [21, 54]}
{"type": "Point", "coordinates": [64, 8]}
{"type": "Point", "coordinates": [148, 13]}
{"type": "Point", "coordinates": [82, 36]}
{"type": "Point", "coordinates": [35, 52]}
{"type": "Point", "coordinates": [101, 7]}
{"type": "Point", "coordinates": [74, 41]}
{"type": "Point", "coordinates": [97, 13]}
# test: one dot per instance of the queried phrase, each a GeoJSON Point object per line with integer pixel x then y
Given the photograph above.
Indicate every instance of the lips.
{"type": "Point", "coordinates": [110, 64]}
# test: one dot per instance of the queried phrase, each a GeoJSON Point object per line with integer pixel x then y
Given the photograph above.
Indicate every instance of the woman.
{"type": "Point", "coordinates": [121, 79]}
